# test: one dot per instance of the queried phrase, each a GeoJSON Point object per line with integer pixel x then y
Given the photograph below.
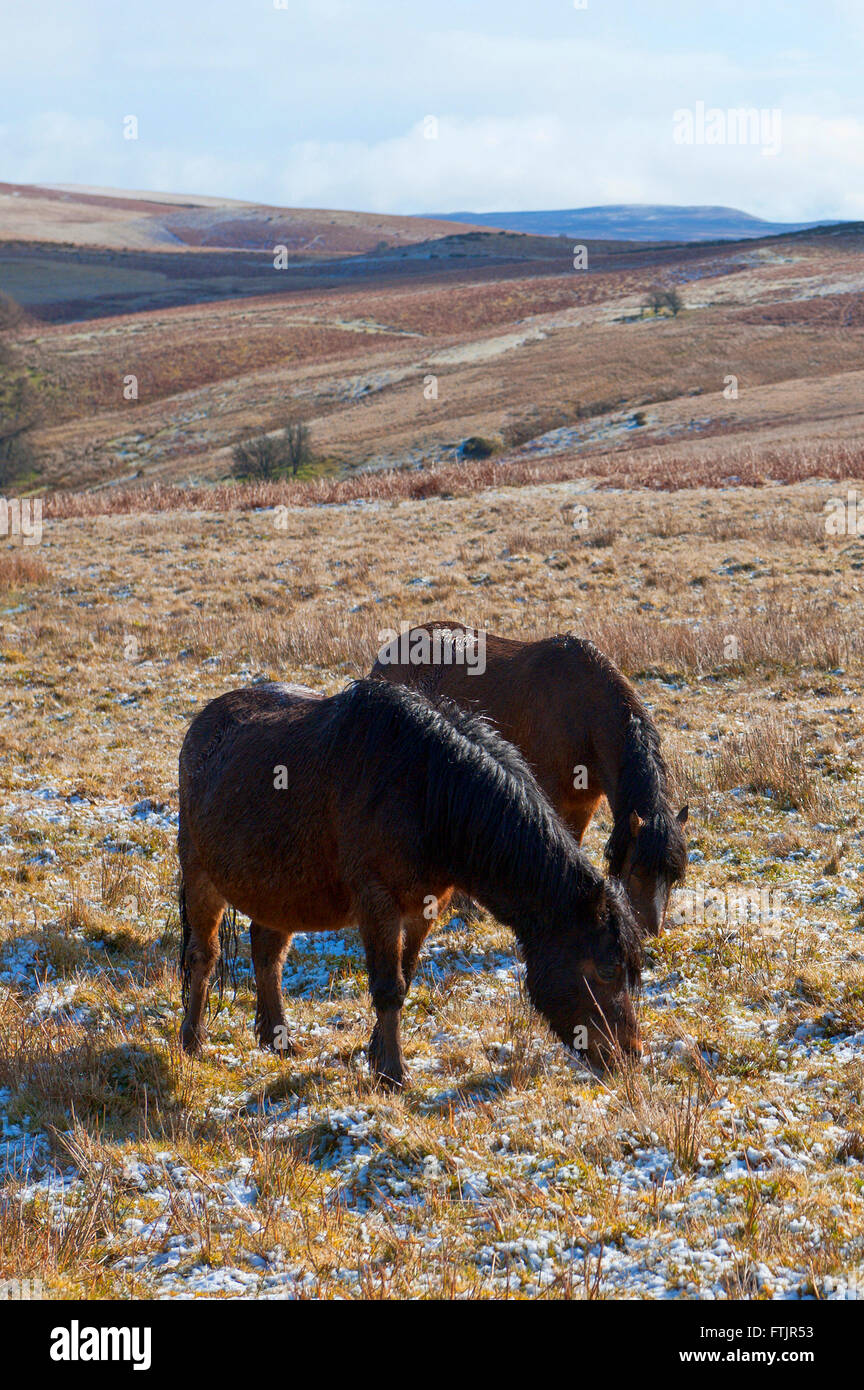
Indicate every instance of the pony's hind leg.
{"type": "Point", "coordinates": [269, 949]}
{"type": "Point", "coordinates": [201, 911]}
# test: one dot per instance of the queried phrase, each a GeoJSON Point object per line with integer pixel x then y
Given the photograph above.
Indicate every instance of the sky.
{"type": "Point", "coordinates": [413, 106]}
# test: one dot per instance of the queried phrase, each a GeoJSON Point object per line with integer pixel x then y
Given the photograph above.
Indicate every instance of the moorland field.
{"type": "Point", "coordinates": [626, 499]}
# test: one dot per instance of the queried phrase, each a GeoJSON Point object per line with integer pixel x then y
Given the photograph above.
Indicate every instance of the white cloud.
{"type": "Point", "coordinates": [543, 106]}
{"type": "Point", "coordinates": [482, 164]}
{"type": "Point", "coordinates": [547, 162]}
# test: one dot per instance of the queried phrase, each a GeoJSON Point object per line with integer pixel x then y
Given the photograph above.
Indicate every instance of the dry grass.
{"type": "Point", "coordinates": [729, 1164]}
{"type": "Point", "coordinates": [771, 758]}
{"type": "Point", "coordinates": [19, 568]}
{"type": "Point", "coordinates": [662, 470]}
{"type": "Point", "coordinates": [517, 352]}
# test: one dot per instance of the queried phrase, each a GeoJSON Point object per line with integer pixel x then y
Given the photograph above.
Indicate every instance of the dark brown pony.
{"type": "Point", "coordinates": [313, 814]}
{"type": "Point", "coordinates": [583, 730]}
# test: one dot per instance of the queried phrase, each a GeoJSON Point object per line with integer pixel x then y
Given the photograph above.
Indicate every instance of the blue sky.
{"type": "Point", "coordinates": [322, 103]}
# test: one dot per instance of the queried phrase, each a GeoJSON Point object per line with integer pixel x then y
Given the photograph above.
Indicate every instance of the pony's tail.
{"type": "Point", "coordinates": [185, 969]}
{"type": "Point", "coordinates": [226, 970]}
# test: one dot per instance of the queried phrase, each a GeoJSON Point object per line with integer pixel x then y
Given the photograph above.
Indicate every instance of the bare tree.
{"type": "Point", "coordinates": [297, 451]}
{"type": "Point", "coordinates": [269, 455]}
{"type": "Point", "coordinates": [258, 458]}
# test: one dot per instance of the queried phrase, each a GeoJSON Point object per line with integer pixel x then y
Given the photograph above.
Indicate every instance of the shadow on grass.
{"type": "Point", "coordinates": [476, 1090]}
{"type": "Point", "coordinates": [130, 1089]}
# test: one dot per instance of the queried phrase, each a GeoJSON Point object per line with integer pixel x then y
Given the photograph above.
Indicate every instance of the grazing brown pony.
{"type": "Point", "coordinates": [313, 814]}
{"type": "Point", "coordinates": [582, 729]}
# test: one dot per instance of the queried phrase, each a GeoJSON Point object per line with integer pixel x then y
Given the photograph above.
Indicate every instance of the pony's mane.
{"type": "Point", "coordinates": [643, 782]}
{"type": "Point", "coordinates": [643, 787]}
{"type": "Point", "coordinates": [483, 808]}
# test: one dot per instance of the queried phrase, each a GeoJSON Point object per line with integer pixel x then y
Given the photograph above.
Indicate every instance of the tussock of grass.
{"type": "Point", "coordinates": [771, 758]}
{"type": "Point", "coordinates": [19, 568]}
{"type": "Point", "coordinates": [811, 635]}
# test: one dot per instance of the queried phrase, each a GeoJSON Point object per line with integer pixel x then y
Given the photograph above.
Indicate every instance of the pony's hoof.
{"type": "Point", "coordinates": [390, 1076]}
{"type": "Point", "coordinates": [277, 1040]}
{"type": "Point", "coordinates": [192, 1040]}
{"type": "Point", "coordinates": [390, 1080]}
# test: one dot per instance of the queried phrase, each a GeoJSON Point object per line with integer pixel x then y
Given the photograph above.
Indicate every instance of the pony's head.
{"type": "Point", "coordinates": [649, 856]}
{"type": "Point", "coordinates": [583, 980]}
{"type": "Point", "coordinates": [647, 850]}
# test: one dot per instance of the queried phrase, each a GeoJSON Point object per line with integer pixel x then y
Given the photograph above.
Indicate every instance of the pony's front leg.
{"type": "Point", "coordinates": [269, 949]}
{"type": "Point", "coordinates": [382, 939]}
{"type": "Point", "coordinates": [577, 816]}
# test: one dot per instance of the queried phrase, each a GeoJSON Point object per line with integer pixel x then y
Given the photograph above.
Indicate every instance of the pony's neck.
{"type": "Point", "coordinates": [527, 873]}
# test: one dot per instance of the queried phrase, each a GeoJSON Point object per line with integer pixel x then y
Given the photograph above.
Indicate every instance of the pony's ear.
{"type": "Point", "coordinates": [683, 814]}
{"type": "Point", "coordinates": [636, 823]}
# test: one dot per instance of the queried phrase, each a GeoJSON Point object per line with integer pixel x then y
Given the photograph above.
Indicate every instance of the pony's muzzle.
{"type": "Point", "coordinates": [608, 1054]}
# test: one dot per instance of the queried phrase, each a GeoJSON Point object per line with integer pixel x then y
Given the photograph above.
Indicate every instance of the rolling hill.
{"type": "Point", "coordinates": [638, 222]}
{"type": "Point", "coordinates": [123, 221]}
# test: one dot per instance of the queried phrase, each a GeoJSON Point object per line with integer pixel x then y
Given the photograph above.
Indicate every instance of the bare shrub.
{"type": "Point", "coordinates": [661, 300]}
{"type": "Point", "coordinates": [257, 458]}
{"type": "Point", "coordinates": [476, 447]}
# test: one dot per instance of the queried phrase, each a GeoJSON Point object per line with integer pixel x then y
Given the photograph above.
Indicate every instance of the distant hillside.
{"type": "Point", "coordinates": [637, 222]}
{"type": "Point", "coordinates": [120, 220]}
